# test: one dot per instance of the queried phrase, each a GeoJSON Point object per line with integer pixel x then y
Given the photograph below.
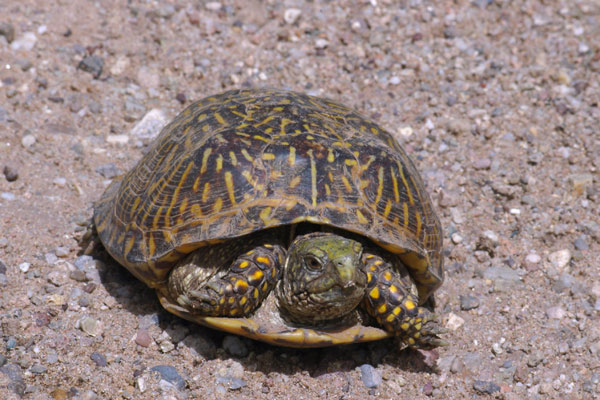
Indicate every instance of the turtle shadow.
{"type": "Point", "coordinates": [208, 344]}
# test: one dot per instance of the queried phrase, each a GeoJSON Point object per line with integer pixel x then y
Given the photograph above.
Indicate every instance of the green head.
{"type": "Point", "coordinates": [322, 279]}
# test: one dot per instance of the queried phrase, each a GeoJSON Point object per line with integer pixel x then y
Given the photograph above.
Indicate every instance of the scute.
{"type": "Point", "coordinates": [247, 160]}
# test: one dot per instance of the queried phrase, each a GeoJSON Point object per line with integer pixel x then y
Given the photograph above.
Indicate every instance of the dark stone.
{"type": "Point", "coordinates": [8, 31]}
{"type": "Point", "coordinates": [468, 302]}
{"type": "Point", "coordinates": [11, 174]}
{"type": "Point", "coordinates": [98, 359]}
{"type": "Point", "coordinates": [92, 64]}
{"type": "Point", "coordinates": [170, 375]}
{"type": "Point", "coordinates": [486, 387]}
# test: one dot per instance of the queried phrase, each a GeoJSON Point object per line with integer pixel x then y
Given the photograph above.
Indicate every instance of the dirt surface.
{"type": "Point", "coordinates": [496, 101]}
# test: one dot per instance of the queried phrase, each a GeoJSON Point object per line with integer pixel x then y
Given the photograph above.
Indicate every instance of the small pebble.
{"type": "Point", "coordinates": [2, 267]}
{"type": "Point", "coordinates": [406, 131]}
{"type": "Point", "coordinates": [468, 302]}
{"type": "Point", "coordinates": [556, 312]}
{"type": "Point", "coordinates": [213, 6]}
{"type": "Point", "coordinates": [427, 389]}
{"type": "Point", "coordinates": [10, 173]}
{"type": "Point", "coordinates": [2, 360]}
{"type": "Point", "coordinates": [231, 382]}
{"type": "Point", "coordinates": [109, 170]}
{"type": "Point", "coordinates": [98, 359]}
{"type": "Point", "coordinates": [38, 369]}
{"type": "Point", "coordinates": [321, 43]}
{"type": "Point", "coordinates": [235, 346]}
{"type": "Point", "coordinates": [559, 259]}
{"type": "Point", "coordinates": [117, 139]}
{"type": "Point", "coordinates": [93, 65]}
{"type": "Point", "coordinates": [25, 42]}
{"type": "Point", "coordinates": [482, 163]}
{"type": "Point", "coordinates": [170, 374]}
{"type": "Point", "coordinates": [291, 15]}
{"type": "Point", "coordinates": [579, 243]}
{"type": "Point", "coordinates": [485, 387]}
{"type": "Point", "coordinates": [456, 238]}
{"type": "Point", "coordinates": [11, 343]}
{"type": "Point", "coordinates": [89, 325]}
{"type": "Point", "coordinates": [454, 322]}
{"type": "Point", "coordinates": [28, 140]}
{"type": "Point", "coordinates": [150, 125]}
{"type": "Point", "coordinates": [7, 196]}
{"type": "Point", "coordinates": [370, 376]}
{"type": "Point", "coordinates": [166, 346]}
{"type": "Point", "coordinates": [8, 31]}
{"type": "Point", "coordinates": [143, 338]}
{"type": "Point", "coordinates": [24, 267]}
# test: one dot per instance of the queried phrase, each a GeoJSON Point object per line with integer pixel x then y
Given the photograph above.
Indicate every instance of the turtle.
{"type": "Point", "coordinates": [283, 217]}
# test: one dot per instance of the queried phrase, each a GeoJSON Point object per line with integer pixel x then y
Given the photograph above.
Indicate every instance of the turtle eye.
{"type": "Point", "coordinates": [312, 263]}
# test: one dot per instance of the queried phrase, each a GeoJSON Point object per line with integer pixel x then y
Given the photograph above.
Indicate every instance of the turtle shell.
{"type": "Point", "coordinates": [247, 160]}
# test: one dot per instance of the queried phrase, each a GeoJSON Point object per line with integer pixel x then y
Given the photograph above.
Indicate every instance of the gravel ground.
{"type": "Point", "coordinates": [495, 100]}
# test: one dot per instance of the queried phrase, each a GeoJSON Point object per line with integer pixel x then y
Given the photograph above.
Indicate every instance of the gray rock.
{"type": "Point", "coordinates": [38, 369]}
{"type": "Point", "coordinates": [2, 267]}
{"type": "Point", "coordinates": [501, 273]}
{"type": "Point", "coordinates": [2, 360]}
{"type": "Point", "coordinates": [150, 125]}
{"type": "Point", "coordinates": [8, 31]}
{"type": "Point", "coordinates": [99, 359]}
{"type": "Point", "coordinates": [468, 302]}
{"type": "Point", "coordinates": [579, 243]}
{"type": "Point", "coordinates": [25, 42]}
{"type": "Point", "coordinates": [10, 173]}
{"type": "Point", "coordinates": [234, 346]}
{"type": "Point", "coordinates": [564, 282]}
{"type": "Point", "coordinates": [231, 383]}
{"type": "Point", "coordinates": [93, 65]}
{"type": "Point", "coordinates": [170, 375]}
{"type": "Point", "coordinates": [485, 387]}
{"type": "Point", "coordinates": [109, 170]}
{"type": "Point", "coordinates": [370, 376]}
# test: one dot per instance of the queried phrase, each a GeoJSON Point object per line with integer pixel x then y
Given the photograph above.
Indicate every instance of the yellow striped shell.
{"type": "Point", "coordinates": [245, 160]}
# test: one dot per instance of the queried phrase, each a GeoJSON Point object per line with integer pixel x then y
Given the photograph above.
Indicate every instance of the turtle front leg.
{"type": "Point", "coordinates": [207, 282]}
{"type": "Point", "coordinates": [390, 301]}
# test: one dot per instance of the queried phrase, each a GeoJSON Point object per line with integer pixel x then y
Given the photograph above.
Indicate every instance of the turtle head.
{"type": "Point", "coordinates": [323, 278]}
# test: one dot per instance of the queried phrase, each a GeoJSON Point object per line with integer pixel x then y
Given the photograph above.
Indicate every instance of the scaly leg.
{"type": "Point", "coordinates": [212, 281]}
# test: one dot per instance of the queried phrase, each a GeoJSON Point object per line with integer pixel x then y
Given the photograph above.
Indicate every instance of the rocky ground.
{"type": "Point", "coordinates": [495, 100]}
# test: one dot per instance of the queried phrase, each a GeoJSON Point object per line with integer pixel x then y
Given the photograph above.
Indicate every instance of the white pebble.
{"type": "Point", "coordinates": [42, 29]}
{"type": "Point", "coordinates": [25, 42]}
{"type": "Point", "coordinates": [24, 267]}
{"type": "Point", "coordinates": [515, 211]}
{"type": "Point", "coordinates": [28, 141]}
{"type": "Point", "coordinates": [150, 125]}
{"type": "Point", "coordinates": [559, 259]}
{"type": "Point", "coordinates": [321, 43]}
{"type": "Point", "coordinates": [491, 235]}
{"type": "Point", "coordinates": [394, 80]}
{"type": "Point", "coordinates": [456, 238]}
{"type": "Point", "coordinates": [533, 258]}
{"type": "Point", "coordinates": [291, 15]}
{"type": "Point", "coordinates": [117, 139]}
{"type": "Point", "coordinates": [454, 322]}
{"type": "Point", "coordinates": [556, 312]}
{"type": "Point", "coordinates": [406, 132]}
{"type": "Point", "coordinates": [60, 181]}
{"type": "Point", "coordinates": [213, 6]}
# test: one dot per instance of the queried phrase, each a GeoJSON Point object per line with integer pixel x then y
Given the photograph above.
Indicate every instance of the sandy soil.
{"type": "Point", "coordinates": [496, 101]}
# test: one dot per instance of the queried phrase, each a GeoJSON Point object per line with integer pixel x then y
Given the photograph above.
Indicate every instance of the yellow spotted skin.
{"type": "Point", "coordinates": [237, 163]}
{"type": "Point", "coordinates": [393, 304]}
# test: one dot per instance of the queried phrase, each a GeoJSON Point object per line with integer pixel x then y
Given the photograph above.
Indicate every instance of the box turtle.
{"type": "Point", "coordinates": [282, 217]}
